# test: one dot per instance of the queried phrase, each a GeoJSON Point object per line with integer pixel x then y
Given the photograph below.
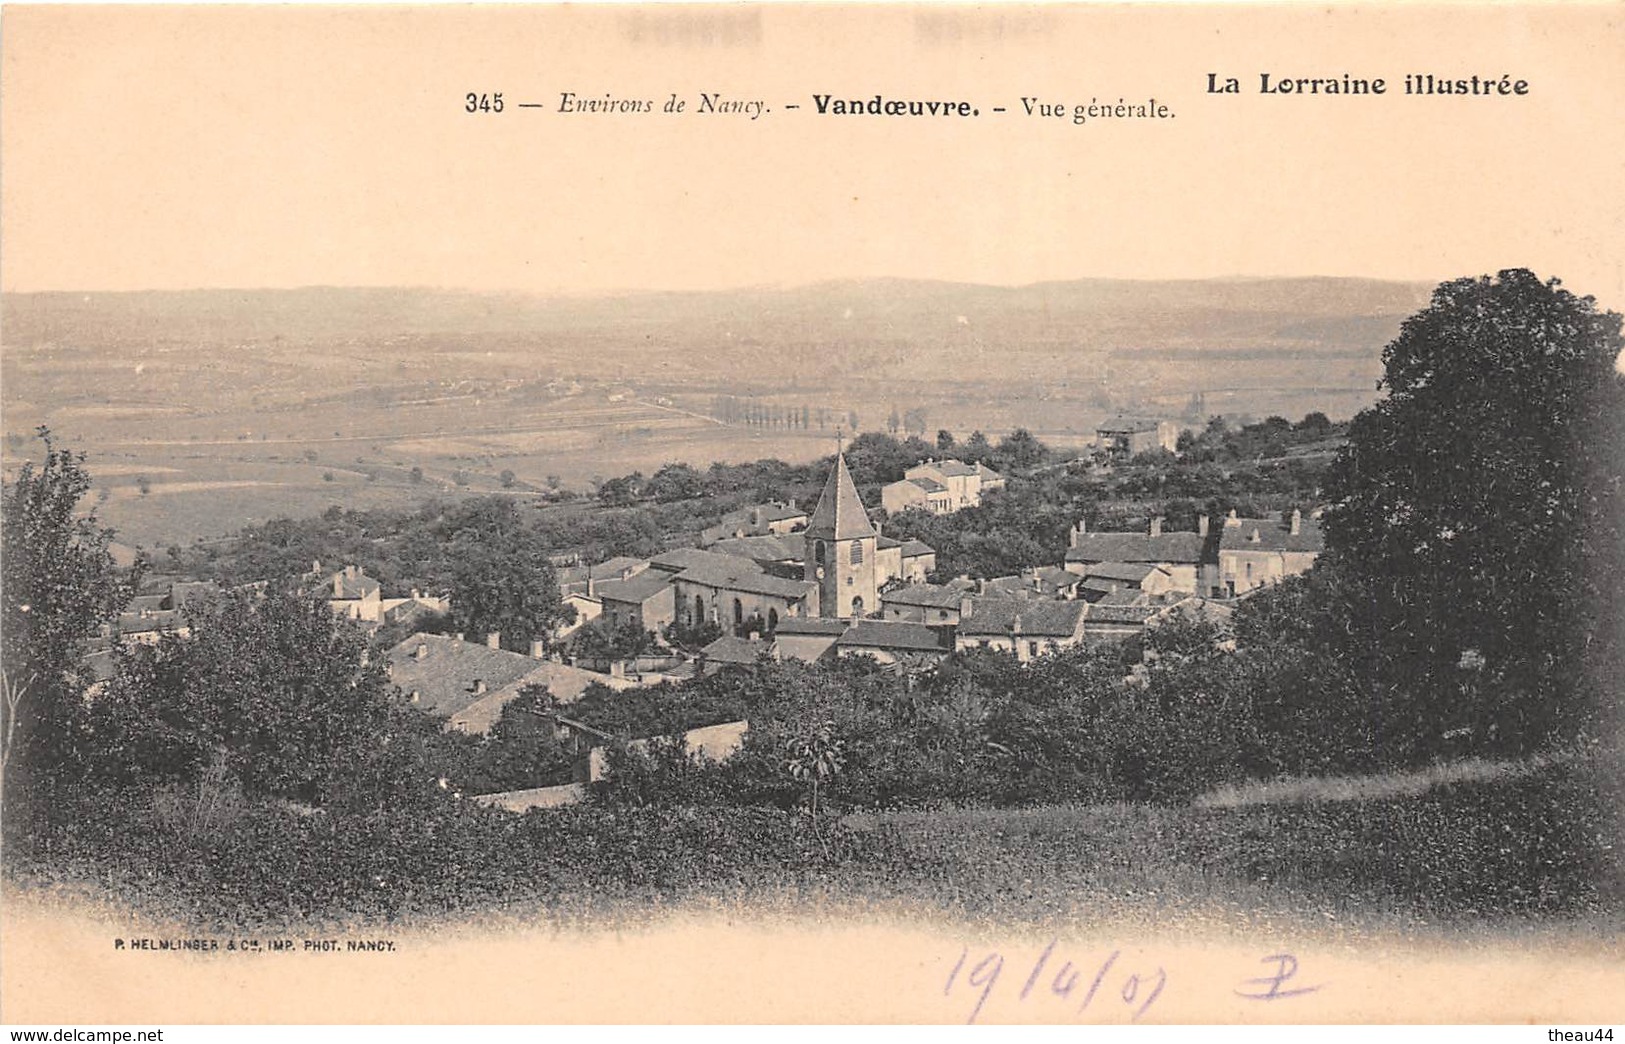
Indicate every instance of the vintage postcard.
{"type": "Point", "coordinates": [1099, 514]}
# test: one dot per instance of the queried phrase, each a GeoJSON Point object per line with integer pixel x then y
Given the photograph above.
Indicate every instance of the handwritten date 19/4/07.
{"type": "Point", "coordinates": [1116, 987]}
{"type": "Point", "coordinates": [1061, 983]}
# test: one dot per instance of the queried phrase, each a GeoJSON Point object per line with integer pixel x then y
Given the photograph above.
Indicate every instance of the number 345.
{"type": "Point", "coordinates": [483, 102]}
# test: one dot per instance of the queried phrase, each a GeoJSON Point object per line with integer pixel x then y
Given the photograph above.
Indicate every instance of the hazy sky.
{"type": "Point", "coordinates": [161, 148]}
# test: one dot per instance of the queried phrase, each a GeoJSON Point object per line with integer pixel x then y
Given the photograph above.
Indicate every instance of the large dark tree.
{"type": "Point", "coordinates": [1477, 506]}
{"type": "Point", "coordinates": [59, 584]}
{"type": "Point", "coordinates": [501, 577]}
{"type": "Point", "coordinates": [274, 690]}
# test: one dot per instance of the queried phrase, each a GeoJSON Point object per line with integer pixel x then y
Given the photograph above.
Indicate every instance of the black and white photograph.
{"type": "Point", "coordinates": [1098, 514]}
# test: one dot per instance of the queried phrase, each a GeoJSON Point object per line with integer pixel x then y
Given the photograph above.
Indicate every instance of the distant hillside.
{"type": "Point", "coordinates": [899, 328]}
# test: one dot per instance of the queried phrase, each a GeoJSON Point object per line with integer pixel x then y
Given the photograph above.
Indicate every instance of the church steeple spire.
{"type": "Point", "coordinates": [840, 514]}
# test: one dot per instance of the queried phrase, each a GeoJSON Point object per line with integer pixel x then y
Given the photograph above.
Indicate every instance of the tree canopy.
{"type": "Point", "coordinates": [1477, 504]}
{"type": "Point", "coordinates": [59, 585]}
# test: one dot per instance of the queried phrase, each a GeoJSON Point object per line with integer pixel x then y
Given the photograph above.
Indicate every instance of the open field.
{"type": "Point", "coordinates": [236, 407]}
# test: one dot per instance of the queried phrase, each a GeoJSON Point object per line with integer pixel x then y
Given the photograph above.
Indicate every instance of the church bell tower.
{"type": "Point", "coordinates": [840, 552]}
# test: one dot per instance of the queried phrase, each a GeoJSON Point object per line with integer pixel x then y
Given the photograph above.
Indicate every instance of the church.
{"type": "Point", "coordinates": [841, 549]}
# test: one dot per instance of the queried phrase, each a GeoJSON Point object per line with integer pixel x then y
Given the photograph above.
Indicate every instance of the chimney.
{"type": "Point", "coordinates": [338, 584]}
{"type": "Point", "coordinates": [758, 515]}
{"type": "Point", "coordinates": [479, 686]}
{"type": "Point", "coordinates": [459, 636]}
{"type": "Point", "coordinates": [1297, 521]}
{"type": "Point", "coordinates": [981, 585]}
{"type": "Point", "coordinates": [966, 606]}
{"type": "Point", "coordinates": [493, 640]}
{"type": "Point", "coordinates": [592, 584]}
{"type": "Point", "coordinates": [1231, 520]}
{"type": "Point", "coordinates": [617, 669]}
{"type": "Point", "coordinates": [1156, 526]}
{"type": "Point", "coordinates": [416, 595]}
{"type": "Point", "coordinates": [316, 566]}
{"type": "Point", "coordinates": [421, 652]}
{"type": "Point", "coordinates": [1073, 539]}
{"type": "Point", "coordinates": [1038, 582]}
{"type": "Point", "coordinates": [538, 648]}
{"type": "Point", "coordinates": [1201, 525]}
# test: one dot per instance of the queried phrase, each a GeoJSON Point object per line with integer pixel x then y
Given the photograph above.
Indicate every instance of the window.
{"type": "Point", "coordinates": [772, 619]}
{"type": "Point", "coordinates": [857, 553]}
{"type": "Point", "coordinates": [1032, 649]}
{"type": "Point", "coordinates": [857, 605]}
{"type": "Point", "coordinates": [699, 609]}
{"type": "Point", "coordinates": [818, 552]}
{"type": "Point", "coordinates": [739, 612]}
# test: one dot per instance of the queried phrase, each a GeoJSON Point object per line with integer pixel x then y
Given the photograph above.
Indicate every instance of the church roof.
{"type": "Point", "coordinates": [839, 514]}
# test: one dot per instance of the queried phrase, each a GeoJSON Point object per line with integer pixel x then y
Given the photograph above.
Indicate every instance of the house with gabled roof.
{"type": "Point", "coordinates": [468, 683]}
{"type": "Point", "coordinates": [1124, 437]}
{"type": "Point", "coordinates": [895, 642]}
{"type": "Point", "coordinates": [581, 579]}
{"type": "Point", "coordinates": [940, 487]}
{"type": "Point", "coordinates": [1181, 555]}
{"type": "Point", "coordinates": [1254, 552]}
{"type": "Point", "coordinates": [1025, 628]}
{"type": "Point", "coordinates": [1037, 582]}
{"type": "Point", "coordinates": [779, 518]}
{"type": "Point", "coordinates": [935, 605]}
{"type": "Point", "coordinates": [646, 600]}
{"type": "Point", "coordinates": [807, 638]}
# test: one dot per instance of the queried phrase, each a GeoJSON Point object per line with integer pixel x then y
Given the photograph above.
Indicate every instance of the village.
{"type": "Point", "coordinates": [787, 582]}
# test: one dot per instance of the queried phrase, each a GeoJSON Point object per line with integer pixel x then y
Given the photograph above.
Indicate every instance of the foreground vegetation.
{"type": "Point", "coordinates": [1467, 856]}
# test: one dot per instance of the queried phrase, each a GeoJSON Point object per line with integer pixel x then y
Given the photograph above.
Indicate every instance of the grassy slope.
{"type": "Point", "coordinates": [1478, 857]}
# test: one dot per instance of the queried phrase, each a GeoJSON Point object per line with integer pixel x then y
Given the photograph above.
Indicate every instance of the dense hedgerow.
{"type": "Point", "coordinates": [274, 865]}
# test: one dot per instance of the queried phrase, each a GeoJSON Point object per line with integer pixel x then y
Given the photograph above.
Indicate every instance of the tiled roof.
{"type": "Point", "coordinates": [929, 485]}
{"type": "Point", "coordinates": [729, 649]}
{"type": "Point", "coordinates": [770, 547]}
{"type": "Point", "coordinates": [951, 468]}
{"type": "Point", "coordinates": [1047, 619]}
{"type": "Point", "coordinates": [1127, 425]}
{"type": "Point", "coordinates": [1132, 572]}
{"type": "Point", "coordinates": [1183, 548]}
{"type": "Point", "coordinates": [1272, 535]}
{"type": "Point", "coordinates": [444, 678]}
{"type": "Point", "coordinates": [800, 625]}
{"type": "Point", "coordinates": [915, 548]}
{"type": "Point", "coordinates": [681, 558]}
{"type": "Point", "coordinates": [732, 578]}
{"type": "Point", "coordinates": [1124, 614]}
{"type": "Point", "coordinates": [146, 603]}
{"type": "Point", "coordinates": [891, 634]}
{"type": "Point", "coordinates": [620, 565]}
{"type": "Point", "coordinates": [565, 683]}
{"type": "Point", "coordinates": [1120, 597]}
{"type": "Point", "coordinates": [635, 589]}
{"type": "Point", "coordinates": [840, 514]}
{"type": "Point", "coordinates": [933, 596]}
{"type": "Point", "coordinates": [347, 584]}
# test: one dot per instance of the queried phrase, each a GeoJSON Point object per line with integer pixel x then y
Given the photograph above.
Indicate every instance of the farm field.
{"type": "Point", "coordinates": [233, 407]}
